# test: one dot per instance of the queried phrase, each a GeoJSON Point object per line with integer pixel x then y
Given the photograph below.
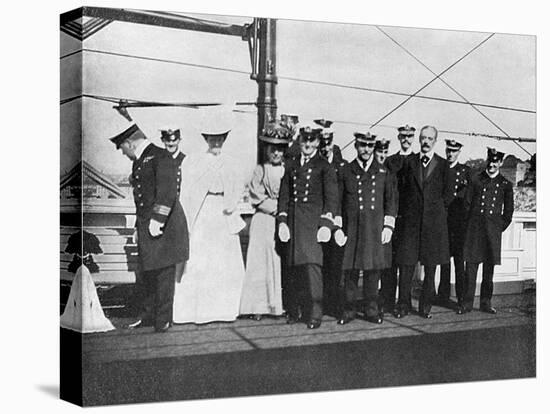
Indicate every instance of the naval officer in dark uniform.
{"type": "Point", "coordinates": [171, 139]}
{"type": "Point", "coordinates": [162, 236]}
{"type": "Point", "coordinates": [368, 197]}
{"type": "Point", "coordinates": [308, 198]}
{"type": "Point", "coordinates": [456, 224]}
{"type": "Point", "coordinates": [332, 252]}
{"type": "Point", "coordinates": [394, 163]}
{"type": "Point", "coordinates": [489, 201]}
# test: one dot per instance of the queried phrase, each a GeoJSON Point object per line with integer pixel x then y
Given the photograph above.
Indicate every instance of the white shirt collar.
{"type": "Point", "coordinates": [303, 157]}
{"type": "Point", "coordinates": [369, 162]}
{"type": "Point", "coordinates": [408, 152]}
{"type": "Point", "coordinates": [330, 157]}
{"type": "Point", "coordinates": [140, 148]}
{"type": "Point", "coordinates": [454, 164]}
{"type": "Point", "coordinates": [175, 154]}
{"type": "Point", "coordinates": [430, 155]}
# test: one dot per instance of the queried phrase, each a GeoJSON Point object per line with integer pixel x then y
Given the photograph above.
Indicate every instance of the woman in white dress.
{"type": "Point", "coordinates": [262, 286]}
{"type": "Point", "coordinates": [211, 285]}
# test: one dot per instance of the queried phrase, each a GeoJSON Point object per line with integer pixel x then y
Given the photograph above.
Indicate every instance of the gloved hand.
{"type": "Point", "coordinates": [284, 232]}
{"type": "Point", "coordinates": [323, 234]}
{"type": "Point", "coordinates": [155, 228]}
{"type": "Point", "coordinates": [340, 238]}
{"type": "Point", "coordinates": [135, 237]}
{"type": "Point", "coordinates": [386, 235]}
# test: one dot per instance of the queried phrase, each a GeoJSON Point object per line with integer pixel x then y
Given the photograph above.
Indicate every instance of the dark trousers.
{"type": "Point", "coordinates": [406, 273]}
{"type": "Point", "coordinates": [305, 292]}
{"type": "Point", "coordinates": [486, 284]}
{"type": "Point", "coordinates": [428, 290]}
{"type": "Point", "coordinates": [370, 292]}
{"type": "Point", "coordinates": [388, 289]}
{"type": "Point", "coordinates": [158, 296]}
{"type": "Point", "coordinates": [333, 256]}
{"type": "Point", "coordinates": [444, 289]}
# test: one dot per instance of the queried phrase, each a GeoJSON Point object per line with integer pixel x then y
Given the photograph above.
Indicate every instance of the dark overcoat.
{"type": "Point", "coordinates": [155, 188]}
{"type": "Point", "coordinates": [367, 197]}
{"type": "Point", "coordinates": [490, 205]}
{"type": "Point", "coordinates": [457, 217]}
{"type": "Point", "coordinates": [178, 160]}
{"type": "Point", "coordinates": [394, 163]}
{"type": "Point", "coordinates": [307, 198]}
{"type": "Point", "coordinates": [422, 226]}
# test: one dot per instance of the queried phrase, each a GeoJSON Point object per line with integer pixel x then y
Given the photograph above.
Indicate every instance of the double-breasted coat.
{"type": "Point", "coordinates": [308, 200]}
{"type": "Point", "coordinates": [490, 205]}
{"type": "Point", "coordinates": [155, 190]}
{"type": "Point", "coordinates": [421, 232]}
{"type": "Point", "coordinates": [178, 159]}
{"type": "Point", "coordinates": [368, 199]}
{"type": "Point", "coordinates": [457, 217]}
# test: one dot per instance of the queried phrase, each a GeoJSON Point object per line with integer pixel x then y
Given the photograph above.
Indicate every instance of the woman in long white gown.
{"type": "Point", "coordinates": [211, 285]}
{"type": "Point", "coordinates": [262, 293]}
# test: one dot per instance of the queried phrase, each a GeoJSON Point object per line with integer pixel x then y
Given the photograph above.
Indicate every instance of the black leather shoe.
{"type": "Point", "coordinates": [374, 319]}
{"type": "Point", "coordinates": [344, 320]}
{"type": "Point", "coordinates": [488, 309]}
{"type": "Point", "coordinates": [291, 320]}
{"type": "Point", "coordinates": [426, 315]}
{"type": "Point", "coordinates": [313, 324]}
{"type": "Point", "coordinates": [400, 313]}
{"type": "Point", "coordinates": [163, 328]}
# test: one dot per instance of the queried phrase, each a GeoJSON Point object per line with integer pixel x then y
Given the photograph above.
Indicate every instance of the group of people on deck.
{"type": "Point", "coordinates": [321, 224]}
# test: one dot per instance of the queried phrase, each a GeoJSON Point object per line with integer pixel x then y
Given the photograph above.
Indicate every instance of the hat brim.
{"type": "Point", "coordinates": [133, 132]}
{"type": "Point", "coordinates": [275, 141]}
{"type": "Point", "coordinates": [216, 134]}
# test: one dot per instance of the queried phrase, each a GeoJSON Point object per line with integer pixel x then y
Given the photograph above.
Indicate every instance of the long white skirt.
{"type": "Point", "coordinates": [262, 284]}
{"type": "Point", "coordinates": [211, 286]}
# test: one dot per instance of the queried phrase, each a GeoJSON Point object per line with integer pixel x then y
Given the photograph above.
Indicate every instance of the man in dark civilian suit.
{"type": "Point", "coordinates": [308, 198]}
{"type": "Point", "coordinates": [394, 163]}
{"type": "Point", "coordinates": [456, 224]}
{"type": "Point", "coordinates": [332, 252]}
{"type": "Point", "coordinates": [489, 201]}
{"type": "Point", "coordinates": [368, 194]}
{"type": "Point", "coordinates": [162, 236]}
{"type": "Point", "coordinates": [422, 229]}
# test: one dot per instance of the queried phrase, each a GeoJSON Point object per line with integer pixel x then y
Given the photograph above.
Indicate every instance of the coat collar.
{"type": "Point", "coordinates": [141, 148]}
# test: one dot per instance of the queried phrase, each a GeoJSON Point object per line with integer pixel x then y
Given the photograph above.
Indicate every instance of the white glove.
{"type": "Point", "coordinates": [340, 238]}
{"type": "Point", "coordinates": [386, 235]}
{"type": "Point", "coordinates": [155, 228]}
{"type": "Point", "coordinates": [284, 232]}
{"type": "Point", "coordinates": [135, 237]}
{"type": "Point", "coordinates": [323, 234]}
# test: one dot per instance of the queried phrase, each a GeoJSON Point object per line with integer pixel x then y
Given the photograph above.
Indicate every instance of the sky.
{"type": "Point", "coordinates": [500, 72]}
